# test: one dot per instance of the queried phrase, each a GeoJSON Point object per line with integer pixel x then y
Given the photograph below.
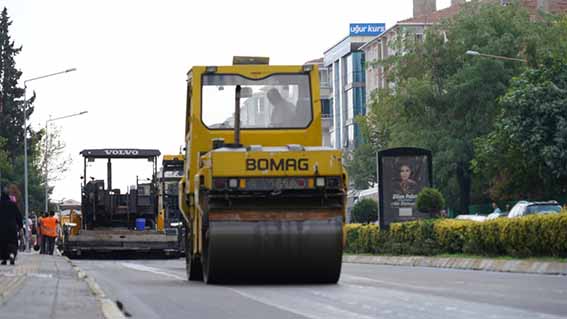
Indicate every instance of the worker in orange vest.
{"type": "Point", "coordinates": [49, 232]}
{"type": "Point", "coordinates": [40, 231]}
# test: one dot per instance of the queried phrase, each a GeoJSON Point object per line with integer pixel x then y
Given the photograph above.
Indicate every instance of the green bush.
{"type": "Point", "coordinates": [530, 236]}
{"type": "Point", "coordinates": [413, 238]}
{"type": "Point", "coordinates": [365, 211]}
{"type": "Point", "coordinates": [362, 238]}
{"type": "Point", "coordinates": [430, 200]}
{"type": "Point", "coordinates": [452, 234]}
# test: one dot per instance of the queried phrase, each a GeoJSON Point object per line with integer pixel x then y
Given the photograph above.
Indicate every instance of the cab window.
{"type": "Point", "coordinates": [277, 101]}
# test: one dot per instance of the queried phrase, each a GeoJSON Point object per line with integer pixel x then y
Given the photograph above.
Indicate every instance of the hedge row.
{"type": "Point", "coordinates": [531, 236]}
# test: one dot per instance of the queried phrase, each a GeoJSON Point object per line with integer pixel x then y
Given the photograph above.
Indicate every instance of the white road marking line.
{"type": "Point", "coordinates": [391, 283]}
{"type": "Point", "coordinates": [151, 270]}
{"type": "Point", "coordinates": [266, 302]}
{"type": "Point", "coordinates": [313, 310]}
{"type": "Point", "coordinates": [40, 275]}
{"type": "Point", "coordinates": [411, 286]}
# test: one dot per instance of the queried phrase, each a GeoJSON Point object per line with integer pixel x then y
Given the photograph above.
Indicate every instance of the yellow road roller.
{"type": "Point", "coordinates": [261, 198]}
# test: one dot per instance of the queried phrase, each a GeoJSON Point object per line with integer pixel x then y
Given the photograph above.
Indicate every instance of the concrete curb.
{"type": "Point", "coordinates": [109, 308]}
{"type": "Point", "coordinates": [485, 264]}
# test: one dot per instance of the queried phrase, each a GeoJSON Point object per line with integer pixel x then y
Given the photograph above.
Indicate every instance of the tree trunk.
{"type": "Point", "coordinates": [464, 179]}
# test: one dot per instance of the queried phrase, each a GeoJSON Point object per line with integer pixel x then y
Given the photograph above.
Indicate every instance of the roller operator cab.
{"type": "Point", "coordinates": [261, 198]}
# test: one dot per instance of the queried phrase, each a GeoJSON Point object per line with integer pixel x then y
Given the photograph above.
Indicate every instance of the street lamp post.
{"type": "Point", "coordinates": [26, 198]}
{"type": "Point", "coordinates": [46, 153]}
{"type": "Point", "coordinates": [498, 57]}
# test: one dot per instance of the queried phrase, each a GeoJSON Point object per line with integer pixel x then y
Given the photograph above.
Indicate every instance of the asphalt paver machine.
{"type": "Point", "coordinates": [117, 222]}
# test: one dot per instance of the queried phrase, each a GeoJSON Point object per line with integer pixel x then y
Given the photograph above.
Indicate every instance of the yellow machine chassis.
{"type": "Point", "coordinates": [203, 164]}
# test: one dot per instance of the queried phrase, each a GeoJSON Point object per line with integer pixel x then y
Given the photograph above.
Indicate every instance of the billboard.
{"type": "Point", "coordinates": [367, 29]}
{"type": "Point", "coordinates": [402, 174]}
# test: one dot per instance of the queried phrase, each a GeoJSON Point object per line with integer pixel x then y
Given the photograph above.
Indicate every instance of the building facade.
{"type": "Point", "coordinates": [382, 46]}
{"type": "Point", "coordinates": [326, 99]}
{"type": "Point", "coordinates": [346, 61]}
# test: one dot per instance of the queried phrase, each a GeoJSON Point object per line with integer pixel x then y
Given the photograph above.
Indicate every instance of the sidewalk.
{"type": "Point", "coordinates": [43, 286]}
{"type": "Point", "coordinates": [485, 264]}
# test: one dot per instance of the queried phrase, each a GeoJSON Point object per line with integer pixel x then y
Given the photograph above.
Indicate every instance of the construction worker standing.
{"type": "Point", "coordinates": [41, 240]}
{"type": "Point", "coordinates": [49, 232]}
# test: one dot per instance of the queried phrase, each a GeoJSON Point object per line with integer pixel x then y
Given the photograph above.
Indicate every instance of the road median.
{"type": "Point", "coordinates": [484, 264]}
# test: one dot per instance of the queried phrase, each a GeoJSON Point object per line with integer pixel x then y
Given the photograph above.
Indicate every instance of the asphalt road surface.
{"type": "Point", "coordinates": [159, 289]}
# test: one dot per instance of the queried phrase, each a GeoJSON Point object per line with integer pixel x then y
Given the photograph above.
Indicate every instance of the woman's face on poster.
{"type": "Point", "coordinates": [405, 172]}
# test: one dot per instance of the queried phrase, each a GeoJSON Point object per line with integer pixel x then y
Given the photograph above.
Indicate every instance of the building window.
{"type": "Point", "coordinates": [349, 103]}
{"type": "Point", "coordinates": [349, 70]}
{"type": "Point", "coordinates": [326, 111]}
{"type": "Point", "coordinates": [358, 66]}
{"type": "Point", "coordinates": [324, 78]}
{"type": "Point", "coordinates": [358, 101]}
{"type": "Point", "coordinates": [419, 37]}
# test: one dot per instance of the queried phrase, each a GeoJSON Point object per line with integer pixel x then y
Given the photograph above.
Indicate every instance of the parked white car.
{"type": "Point", "coordinates": [492, 216]}
{"type": "Point", "coordinates": [476, 218]}
{"type": "Point", "coordinates": [524, 208]}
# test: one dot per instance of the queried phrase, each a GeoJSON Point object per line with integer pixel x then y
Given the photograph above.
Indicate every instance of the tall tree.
{"type": "Point", "coordinates": [442, 99]}
{"type": "Point", "coordinates": [361, 167]}
{"type": "Point", "coordinates": [12, 117]}
{"type": "Point", "coordinates": [526, 154]}
{"type": "Point", "coordinates": [53, 157]}
{"type": "Point", "coordinates": [5, 167]}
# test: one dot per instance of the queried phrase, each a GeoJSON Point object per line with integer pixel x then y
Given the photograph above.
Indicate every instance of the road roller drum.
{"type": "Point", "coordinates": [274, 250]}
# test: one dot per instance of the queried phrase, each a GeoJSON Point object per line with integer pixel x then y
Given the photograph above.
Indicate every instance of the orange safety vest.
{"type": "Point", "coordinates": [49, 226]}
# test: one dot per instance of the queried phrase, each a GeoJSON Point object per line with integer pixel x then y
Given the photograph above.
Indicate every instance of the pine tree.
{"type": "Point", "coordinates": [11, 96]}
{"type": "Point", "coordinates": [12, 121]}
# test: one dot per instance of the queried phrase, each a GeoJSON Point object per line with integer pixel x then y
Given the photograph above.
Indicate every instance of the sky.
{"type": "Point", "coordinates": [132, 57]}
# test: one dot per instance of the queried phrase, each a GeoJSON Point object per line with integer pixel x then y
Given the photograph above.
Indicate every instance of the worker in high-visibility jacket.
{"type": "Point", "coordinates": [49, 232]}
{"type": "Point", "coordinates": [41, 240]}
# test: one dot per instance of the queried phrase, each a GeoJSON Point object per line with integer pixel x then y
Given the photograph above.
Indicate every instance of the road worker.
{"type": "Point", "coordinates": [49, 232]}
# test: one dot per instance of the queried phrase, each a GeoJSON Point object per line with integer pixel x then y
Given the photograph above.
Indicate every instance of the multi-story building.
{"type": "Point", "coordinates": [381, 47]}
{"type": "Point", "coordinates": [345, 61]}
{"type": "Point", "coordinates": [554, 6]}
{"type": "Point", "coordinates": [425, 15]}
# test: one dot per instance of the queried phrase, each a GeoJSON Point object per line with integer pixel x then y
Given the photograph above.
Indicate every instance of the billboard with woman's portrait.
{"type": "Point", "coordinates": [402, 174]}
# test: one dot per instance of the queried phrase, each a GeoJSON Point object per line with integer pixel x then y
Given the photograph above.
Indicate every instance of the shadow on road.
{"type": "Point", "coordinates": [123, 256]}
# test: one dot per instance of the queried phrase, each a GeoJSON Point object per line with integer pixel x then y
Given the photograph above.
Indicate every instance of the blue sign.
{"type": "Point", "coordinates": [373, 29]}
